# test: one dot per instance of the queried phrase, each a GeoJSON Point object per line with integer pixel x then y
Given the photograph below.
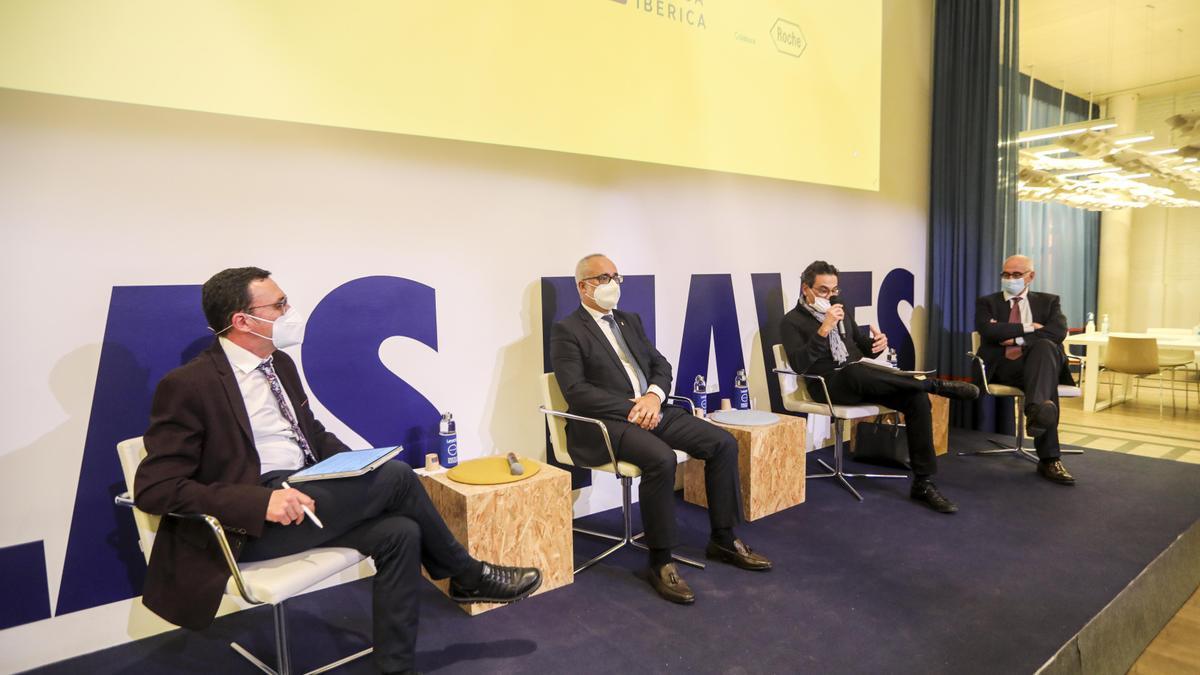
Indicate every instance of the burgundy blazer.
{"type": "Point", "coordinates": [201, 459]}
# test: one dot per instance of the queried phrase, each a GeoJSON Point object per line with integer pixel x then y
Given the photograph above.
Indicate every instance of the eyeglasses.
{"type": "Point", "coordinates": [1013, 275]}
{"type": "Point", "coordinates": [822, 292]}
{"type": "Point", "coordinates": [605, 278]}
{"type": "Point", "coordinates": [281, 305]}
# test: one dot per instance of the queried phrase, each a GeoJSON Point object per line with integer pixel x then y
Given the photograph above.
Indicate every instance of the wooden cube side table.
{"type": "Point", "coordinates": [526, 523]}
{"type": "Point", "coordinates": [941, 425]}
{"type": "Point", "coordinates": [771, 465]}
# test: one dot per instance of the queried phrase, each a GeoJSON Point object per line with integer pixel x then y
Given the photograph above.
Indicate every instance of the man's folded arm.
{"type": "Point", "coordinates": [582, 397]}
{"type": "Point", "coordinates": [164, 480]}
{"type": "Point", "coordinates": [991, 330]}
{"type": "Point", "coordinates": [1055, 327]}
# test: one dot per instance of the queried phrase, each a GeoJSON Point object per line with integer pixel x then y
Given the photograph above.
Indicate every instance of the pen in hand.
{"type": "Point", "coordinates": [307, 511]}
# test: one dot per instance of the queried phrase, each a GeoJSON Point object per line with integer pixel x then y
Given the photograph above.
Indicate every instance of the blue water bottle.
{"type": "Point", "coordinates": [700, 395]}
{"type": "Point", "coordinates": [447, 442]}
{"type": "Point", "coordinates": [741, 391]}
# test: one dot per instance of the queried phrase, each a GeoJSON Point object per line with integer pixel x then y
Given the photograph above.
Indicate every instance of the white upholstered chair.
{"type": "Point", "coordinates": [257, 583]}
{"type": "Point", "coordinates": [994, 389]}
{"type": "Point", "coordinates": [554, 407]}
{"type": "Point", "coordinates": [797, 399]}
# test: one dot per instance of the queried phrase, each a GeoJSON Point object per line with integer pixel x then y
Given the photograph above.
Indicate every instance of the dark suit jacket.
{"type": "Point", "coordinates": [201, 459]}
{"type": "Point", "coordinates": [1044, 308]}
{"type": "Point", "coordinates": [809, 353]}
{"type": "Point", "coordinates": [595, 383]}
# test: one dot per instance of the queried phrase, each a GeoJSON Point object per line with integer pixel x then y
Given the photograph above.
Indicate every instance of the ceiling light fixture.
{"type": "Point", "coordinates": [1065, 130]}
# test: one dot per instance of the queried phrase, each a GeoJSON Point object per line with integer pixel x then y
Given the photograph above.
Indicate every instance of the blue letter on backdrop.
{"type": "Point", "coordinates": [710, 311]}
{"type": "Point", "coordinates": [342, 366]}
{"type": "Point", "coordinates": [150, 330]}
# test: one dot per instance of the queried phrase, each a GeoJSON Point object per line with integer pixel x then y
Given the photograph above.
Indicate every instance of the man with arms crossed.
{"type": "Point", "coordinates": [608, 369]}
{"type": "Point", "coordinates": [813, 338]}
{"type": "Point", "coordinates": [1021, 334]}
{"type": "Point", "coordinates": [229, 427]}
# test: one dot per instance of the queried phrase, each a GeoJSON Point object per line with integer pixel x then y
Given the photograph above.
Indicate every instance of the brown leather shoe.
{"type": "Point", "coordinates": [740, 555]}
{"type": "Point", "coordinates": [1055, 472]}
{"type": "Point", "coordinates": [670, 585]}
{"type": "Point", "coordinates": [1040, 418]}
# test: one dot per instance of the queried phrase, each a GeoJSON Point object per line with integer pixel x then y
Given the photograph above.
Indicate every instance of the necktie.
{"type": "Point", "coordinates": [268, 369]}
{"type": "Point", "coordinates": [624, 347]}
{"type": "Point", "coordinates": [1013, 352]}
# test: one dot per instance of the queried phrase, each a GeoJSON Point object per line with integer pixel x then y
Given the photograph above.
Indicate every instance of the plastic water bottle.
{"type": "Point", "coordinates": [447, 442]}
{"type": "Point", "coordinates": [892, 359]}
{"type": "Point", "coordinates": [1091, 324]}
{"type": "Point", "coordinates": [741, 391]}
{"type": "Point", "coordinates": [1104, 324]}
{"type": "Point", "coordinates": [700, 395]}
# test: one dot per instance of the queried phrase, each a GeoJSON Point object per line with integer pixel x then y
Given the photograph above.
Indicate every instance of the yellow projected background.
{"type": "Point", "coordinates": [786, 88]}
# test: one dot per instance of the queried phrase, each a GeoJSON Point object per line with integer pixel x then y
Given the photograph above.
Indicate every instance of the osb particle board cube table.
{"type": "Point", "coordinates": [941, 425]}
{"type": "Point", "coordinates": [770, 463]}
{"type": "Point", "coordinates": [526, 523]}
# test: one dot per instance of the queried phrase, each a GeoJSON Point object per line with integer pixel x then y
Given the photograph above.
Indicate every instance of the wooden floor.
{"type": "Point", "coordinates": [1177, 647]}
{"type": "Point", "coordinates": [1135, 427]}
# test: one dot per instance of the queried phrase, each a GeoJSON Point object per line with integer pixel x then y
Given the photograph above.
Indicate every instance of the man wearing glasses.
{"type": "Point", "coordinates": [1021, 334]}
{"type": "Point", "coordinates": [821, 338]}
{"type": "Point", "coordinates": [608, 369]}
{"type": "Point", "coordinates": [226, 431]}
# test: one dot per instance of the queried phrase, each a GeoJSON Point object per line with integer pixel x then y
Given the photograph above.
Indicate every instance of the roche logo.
{"type": "Point", "coordinates": [788, 37]}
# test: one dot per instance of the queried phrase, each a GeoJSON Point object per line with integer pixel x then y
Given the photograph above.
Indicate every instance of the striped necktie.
{"type": "Point", "coordinates": [268, 369]}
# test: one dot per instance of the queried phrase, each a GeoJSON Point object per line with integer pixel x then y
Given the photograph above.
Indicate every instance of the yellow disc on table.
{"type": "Point", "coordinates": [491, 471]}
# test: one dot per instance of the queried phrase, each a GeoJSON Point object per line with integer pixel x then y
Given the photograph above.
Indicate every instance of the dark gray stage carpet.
{"type": "Point", "coordinates": [879, 586]}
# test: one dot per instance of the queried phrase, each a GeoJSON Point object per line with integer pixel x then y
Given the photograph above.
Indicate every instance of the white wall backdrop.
{"type": "Point", "coordinates": [95, 195]}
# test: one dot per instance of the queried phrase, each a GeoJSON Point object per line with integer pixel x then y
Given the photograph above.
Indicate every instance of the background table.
{"type": "Point", "coordinates": [770, 463]}
{"type": "Point", "coordinates": [1094, 344]}
{"type": "Point", "coordinates": [526, 523]}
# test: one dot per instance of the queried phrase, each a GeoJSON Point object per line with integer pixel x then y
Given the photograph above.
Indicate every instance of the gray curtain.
{"type": "Point", "coordinates": [1064, 242]}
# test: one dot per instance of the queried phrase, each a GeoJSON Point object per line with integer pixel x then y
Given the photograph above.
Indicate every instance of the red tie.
{"type": "Point", "coordinates": [1013, 352]}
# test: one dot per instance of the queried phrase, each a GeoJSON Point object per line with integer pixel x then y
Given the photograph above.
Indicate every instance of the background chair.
{"type": "Point", "coordinates": [1136, 356]}
{"type": "Point", "coordinates": [1174, 359]}
{"type": "Point", "coordinates": [554, 407]}
{"type": "Point", "coordinates": [993, 389]}
{"type": "Point", "coordinates": [258, 583]}
{"type": "Point", "coordinates": [797, 399]}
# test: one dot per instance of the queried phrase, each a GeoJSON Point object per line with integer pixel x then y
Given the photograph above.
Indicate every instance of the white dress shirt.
{"type": "Point", "coordinates": [277, 446]}
{"type": "Point", "coordinates": [630, 369]}
{"type": "Point", "coordinates": [1026, 312]}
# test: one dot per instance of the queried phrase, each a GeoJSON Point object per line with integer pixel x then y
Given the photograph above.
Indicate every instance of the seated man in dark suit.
{"type": "Point", "coordinates": [229, 427]}
{"type": "Point", "coordinates": [821, 338]}
{"type": "Point", "coordinates": [1021, 334]}
{"type": "Point", "coordinates": [608, 369]}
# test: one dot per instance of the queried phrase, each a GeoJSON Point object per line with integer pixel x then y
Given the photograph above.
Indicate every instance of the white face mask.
{"type": "Point", "coordinates": [607, 295]}
{"type": "Point", "coordinates": [1013, 286]}
{"type": "Point", "coordinates": [288, 329]}
{"type": "Point", "coordinates": [820, 304]}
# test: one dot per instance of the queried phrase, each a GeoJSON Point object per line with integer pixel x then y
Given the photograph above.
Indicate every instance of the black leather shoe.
{"type": "Point", "coordinates": [953, 389]}
{"type": "Point", "coordinates": [670, 585]}
{"type": "Point", "coordinates": [740, 555]}
{"type": "Point", "coordinates": [1040, 417]}
{"type": "Point", "coordinates": [499, 584]}
{"type": "Point", "coordinates": [926, 492]}
{"type": "Point", "coordinates": [1055, 472]}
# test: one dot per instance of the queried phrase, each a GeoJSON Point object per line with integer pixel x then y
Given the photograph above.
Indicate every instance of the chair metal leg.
{"type": "Point", "coordinates": [1018, 448]}
{"type": "Point", "coordinates": [627, 537]}
{"type": "Point", "coordinates": [837, 470]}
{"type": "Point", "coordinates": [283, 654]}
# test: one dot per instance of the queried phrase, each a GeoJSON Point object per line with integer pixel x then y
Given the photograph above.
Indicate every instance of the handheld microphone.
{"type": "Point", "coordinates": [514, 467]}
{"type": "Point", "coordinates": [837, 300]}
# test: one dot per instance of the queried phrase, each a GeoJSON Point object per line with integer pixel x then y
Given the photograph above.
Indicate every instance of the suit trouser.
{"type": "Point", "coordinates": [651, 451]}
{"type": "Point", "coordinates": [855, 384]}
{"type": "Point", "coordinates": [385, 514]}
{"type": "Point", "coordinates": [1036, 373]}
